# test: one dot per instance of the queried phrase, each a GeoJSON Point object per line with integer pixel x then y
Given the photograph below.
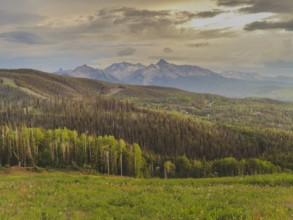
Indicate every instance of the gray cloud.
{"type": "Point", "coordinates": [109, 24]}
{"type": "Point", "coordinates": [126, 51]}
{"type": "Point", "coordinates": [283, 6]}
{"type": "Point", "coordinates": [122, 24]}
{"type": "Point", "coordinates": [23, 37]}
{"type": "Point", "coordinates": [10, 17]}
{"type": "Point", "coordinates": [283, 9]}
{"type": "Point", "coordinates": [264, 25]}
{"type": "Point", "coordinates": [132, 12]}
{"type": "Point", "coordinates": [233, 2]}
{"type": "Point", "coordinates": [216, 33]}
{"type": "Point", "coordinates": [145, 23]}
{"type": "Point", "coordinates": [167, 50]}
{"type": "Point", "coordinates": [139, 23]}
{"type": "Point", "coordinates": [256, 6]}
{"type": "Point", "coordinates": [204, 44]}
{"type": "Point", "coordinates": [125, 24]}
{"type": "Point", "coordinates": [209, 14]}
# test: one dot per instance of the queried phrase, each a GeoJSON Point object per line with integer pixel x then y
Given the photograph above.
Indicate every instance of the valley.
{"type": "Point", "coordinates": [166, 123]}
{"type": "Point", "coordinates": [164, 110]}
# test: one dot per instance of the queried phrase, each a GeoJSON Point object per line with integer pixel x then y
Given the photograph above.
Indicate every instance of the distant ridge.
{"type": "Point", "coordinates": [123, 70]}
{"type": "Point", "coordinates": [243, 75]}
{"type": "Point", "coordinates": [86, 71]}
{"type": "Point", "coordinates": [191, 78]}
{"type": "Point", "coordinates": [138, 73]}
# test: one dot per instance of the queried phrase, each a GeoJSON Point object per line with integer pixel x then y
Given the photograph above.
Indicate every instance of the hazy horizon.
{"type": "Point", "coordinates": [244, 35]}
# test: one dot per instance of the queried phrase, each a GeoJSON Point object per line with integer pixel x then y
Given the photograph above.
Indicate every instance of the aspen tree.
{"type": "Point", "coordinates": [138, 160]}
{"type": "Point", "coordinates": [122, 148]}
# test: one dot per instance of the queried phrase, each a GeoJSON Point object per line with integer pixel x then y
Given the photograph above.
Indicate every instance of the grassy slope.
{"type": "Point", "coordinates": [11, 83]}
{"type": "Point", "coordinates": [71, 195]}
{"type": "Point", "coordinates": [48, 84]}
{"type": "Point", "coordinates": [10, 93]}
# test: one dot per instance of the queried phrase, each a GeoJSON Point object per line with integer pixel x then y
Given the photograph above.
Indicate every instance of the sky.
{"type": "Point", "coordinates": [243, 35]}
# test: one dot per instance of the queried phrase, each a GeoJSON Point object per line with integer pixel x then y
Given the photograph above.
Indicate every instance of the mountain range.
{"type": "Point", "coordinates": [191, 78]}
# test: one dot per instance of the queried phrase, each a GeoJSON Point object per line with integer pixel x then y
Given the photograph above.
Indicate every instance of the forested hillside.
{"type": "Point", "coordinates": [167, 140]}
{"type": "Point", "coordinates": [250, 112]}
{"type": "Point", "coordinates": [161, 133]}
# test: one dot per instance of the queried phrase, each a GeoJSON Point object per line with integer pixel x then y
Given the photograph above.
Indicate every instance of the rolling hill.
{"type": "Point", "coordinates": [47, 85]}
{"type": "Point", "coordinates": [252, 112]}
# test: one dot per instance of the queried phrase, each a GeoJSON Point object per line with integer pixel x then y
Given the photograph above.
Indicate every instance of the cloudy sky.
{"type": "Point", "coordinates": [246, 35]}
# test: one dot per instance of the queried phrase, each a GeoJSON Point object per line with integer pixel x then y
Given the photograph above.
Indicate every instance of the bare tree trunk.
{"type": "Point", "coordinates": [108, 162]}
{"type": "Point", "coordinates": [135, 165]}
{"type": "Point", "coordinates": [121, 168]}
{"type": "Point", "coordinates": [165, 174]}
{"type": "Point", "coordinates": [17, 157]}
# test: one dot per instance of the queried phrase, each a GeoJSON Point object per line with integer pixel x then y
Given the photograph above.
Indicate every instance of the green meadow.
{"type": "Point", "coordinates": [72, 195]}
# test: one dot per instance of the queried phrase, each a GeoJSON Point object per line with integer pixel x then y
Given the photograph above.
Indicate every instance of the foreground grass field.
{"type": "Point", "coordinates": [60, 195]}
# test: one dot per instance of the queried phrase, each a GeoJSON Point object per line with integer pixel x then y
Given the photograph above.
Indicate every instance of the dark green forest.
{"type": "Point", "coordinates": [67, 126]}
{"type": "Point", "coordinates": [248, 112]}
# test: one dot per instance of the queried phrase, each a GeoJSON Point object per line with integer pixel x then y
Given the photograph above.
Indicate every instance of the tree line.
{"type": "Point", "coordinates": [64, 148]}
